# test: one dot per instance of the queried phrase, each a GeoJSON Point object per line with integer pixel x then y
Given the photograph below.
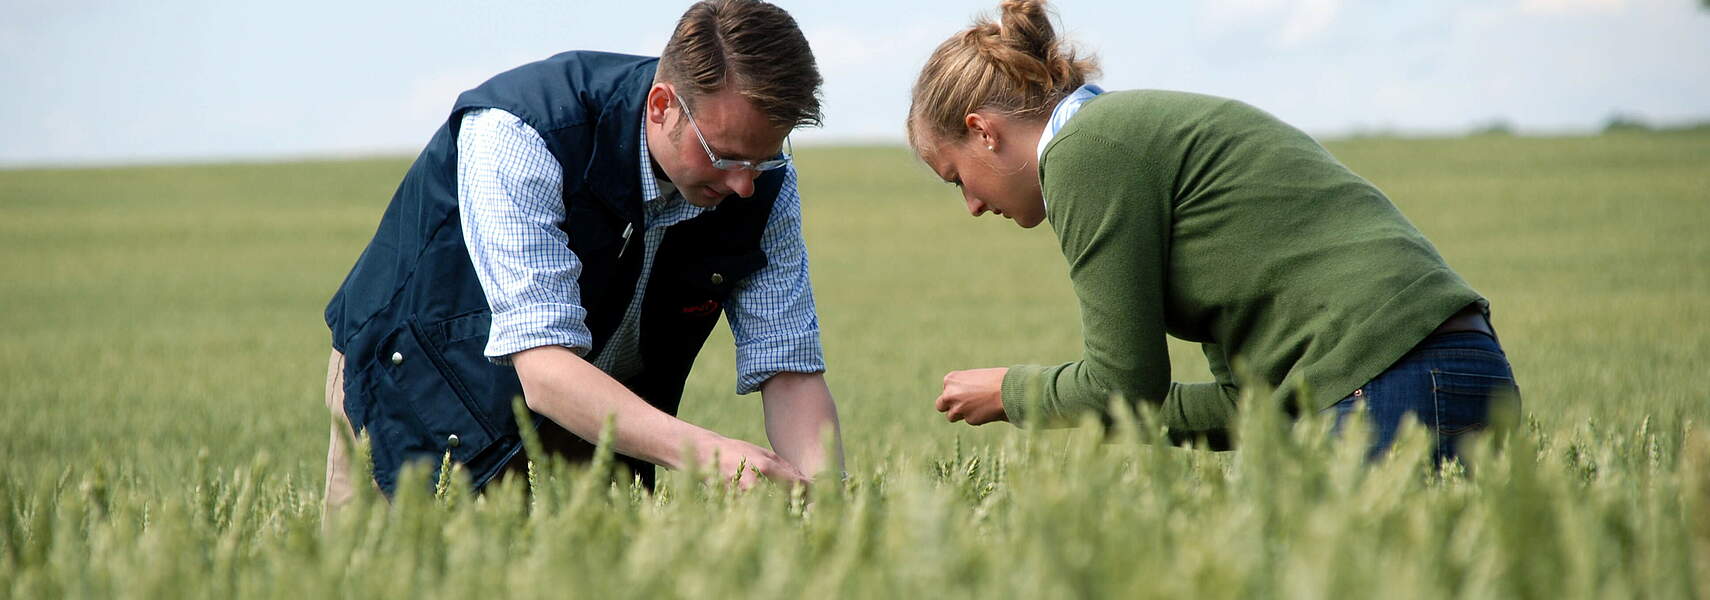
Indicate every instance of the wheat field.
{"type": "Point", "coordinates": [162, 364]}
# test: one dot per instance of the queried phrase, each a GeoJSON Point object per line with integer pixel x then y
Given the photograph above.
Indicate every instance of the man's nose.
{"type": "Point", "coordinates": [741, 181]}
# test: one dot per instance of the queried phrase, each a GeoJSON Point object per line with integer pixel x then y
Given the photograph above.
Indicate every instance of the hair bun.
{"type": "Point", "coordinates": [1014, 66]}
{"type": "Point", "coordinates": [1024, 25]}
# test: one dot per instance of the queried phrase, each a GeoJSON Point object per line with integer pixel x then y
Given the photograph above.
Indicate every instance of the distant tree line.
{"type": "Point", "coordinates": [1617, 122]}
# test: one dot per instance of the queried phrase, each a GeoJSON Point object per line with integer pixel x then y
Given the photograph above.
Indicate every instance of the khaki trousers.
{"type": "Point", "coordinates": [340, 490]}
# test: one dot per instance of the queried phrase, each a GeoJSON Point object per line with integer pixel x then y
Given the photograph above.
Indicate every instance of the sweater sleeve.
{"type": "Point", "coordinates": [1203, 410]}
{"type": "Point", "coordinates": [1113, 222]}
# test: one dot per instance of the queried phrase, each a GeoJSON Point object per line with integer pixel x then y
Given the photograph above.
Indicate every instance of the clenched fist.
{"type": "Point", "coordinates": [975, 396]}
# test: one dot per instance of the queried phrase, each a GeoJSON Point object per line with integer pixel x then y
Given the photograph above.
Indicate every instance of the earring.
{"type": "Point", "coordinates": [992, 148]}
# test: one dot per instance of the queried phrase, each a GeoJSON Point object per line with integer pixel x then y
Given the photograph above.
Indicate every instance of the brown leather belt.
{"type": "Point", "coordinates": [1470, 318]}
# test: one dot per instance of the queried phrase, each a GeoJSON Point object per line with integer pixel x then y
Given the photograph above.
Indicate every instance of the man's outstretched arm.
{"type": "Point", "coordinates": [579, 397]}
{"type": "Point", "coordinates": [773, 322]}
{"type": "Point", "coordinates": [800, 413]}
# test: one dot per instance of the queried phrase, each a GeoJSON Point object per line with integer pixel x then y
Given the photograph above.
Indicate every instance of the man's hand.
{"type": "Point", "coordinates": [739, 461]}
{"type": "Point", "coordinates": [579, 397]}
{"type": "Point", "coordinates": [975, 396]}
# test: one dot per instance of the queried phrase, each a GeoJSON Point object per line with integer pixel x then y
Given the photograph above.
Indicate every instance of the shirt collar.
{"type": "Point", "coordinates": [652, 186]}
{"type": "Point", "coordinates": [1059, 116]}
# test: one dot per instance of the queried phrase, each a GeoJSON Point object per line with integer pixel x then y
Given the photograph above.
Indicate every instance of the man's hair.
{"type": "Point", "coordinates": [752, 45]}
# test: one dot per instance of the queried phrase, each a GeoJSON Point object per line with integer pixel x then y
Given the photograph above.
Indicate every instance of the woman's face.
{"type": "Point", "coordinates": [994, 169]}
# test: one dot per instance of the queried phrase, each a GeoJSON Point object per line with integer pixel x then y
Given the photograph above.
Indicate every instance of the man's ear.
{"type": "Point", "coordinates": [658, 99]}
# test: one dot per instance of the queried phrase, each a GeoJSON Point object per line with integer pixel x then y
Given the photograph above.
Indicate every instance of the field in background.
{"type": "Point", "coordinates": [163, 358]}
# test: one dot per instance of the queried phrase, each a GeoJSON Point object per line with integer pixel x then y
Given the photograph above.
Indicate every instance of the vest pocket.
{"type": "Point", "coordinates": [714, 277]}
{"type": "Point", "coordinates": [428, 411]}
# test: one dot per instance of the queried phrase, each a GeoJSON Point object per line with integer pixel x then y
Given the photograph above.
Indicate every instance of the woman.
{"type": "Point", "coordinates": [1208, 220]}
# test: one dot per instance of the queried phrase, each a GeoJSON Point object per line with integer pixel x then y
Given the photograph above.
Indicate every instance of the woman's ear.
{"type": "Point", "coordinates": [980, 128]}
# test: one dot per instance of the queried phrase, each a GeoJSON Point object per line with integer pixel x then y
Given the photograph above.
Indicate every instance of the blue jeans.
{"type": "Point", "coordinates": [1452, 383]}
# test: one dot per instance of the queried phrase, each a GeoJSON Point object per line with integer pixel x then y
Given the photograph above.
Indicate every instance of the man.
{"type": "Point", "coordinates": [571, 235]}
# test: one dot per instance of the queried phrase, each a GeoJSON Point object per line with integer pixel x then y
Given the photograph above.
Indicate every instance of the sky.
{"type": "Point", "coordinates": [124, 82]}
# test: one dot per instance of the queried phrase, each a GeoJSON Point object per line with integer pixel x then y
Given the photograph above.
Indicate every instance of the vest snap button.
{"type": "Point", "coordinates": [453, 441]}
{"type": "Point", "coordinates": [397, 358]}
{"type": "Point", "coordinates": [717, 278]}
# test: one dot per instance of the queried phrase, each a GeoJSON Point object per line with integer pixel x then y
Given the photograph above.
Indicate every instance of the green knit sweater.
{"type": "Point", "coordinates": [1212, 221]}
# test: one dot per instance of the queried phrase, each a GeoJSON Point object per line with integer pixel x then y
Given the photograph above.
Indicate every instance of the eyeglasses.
{"type": "Point", "coordinates": [730, 164]}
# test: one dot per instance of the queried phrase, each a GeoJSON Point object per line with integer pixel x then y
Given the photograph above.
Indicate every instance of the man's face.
{"type": "Point", "coordinates": [733, 130]}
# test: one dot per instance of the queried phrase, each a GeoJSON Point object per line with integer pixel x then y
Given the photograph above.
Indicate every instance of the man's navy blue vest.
{"type": "Point", "coordinates": [411, 318]}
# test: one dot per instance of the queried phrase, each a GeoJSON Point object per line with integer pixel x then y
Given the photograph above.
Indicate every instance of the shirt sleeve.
{"type": "Point", "coordinates": [771, 313]}
{"type": "Point", "coordinates": [510, 197]}
{"type": "Point", "coordinates": [1114, 232]}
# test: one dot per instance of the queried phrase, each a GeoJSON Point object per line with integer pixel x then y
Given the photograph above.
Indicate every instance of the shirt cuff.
{"type": "Point", "coordinates": [760, 359]}
{"type": "Point", "coordinates": [537, 325]}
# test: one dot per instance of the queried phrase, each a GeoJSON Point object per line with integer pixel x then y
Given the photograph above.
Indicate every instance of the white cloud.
{"type": "Point", "coordinates": [1559, 7]}
{"type": "Point", "coordinates": [1308, 19]}
{"type": "Point", "coordinates": [429, 99]}
{"type": "Point", "coordinates": [845, 47]}
{"type": "Point", "coordinates": [1293, 22]}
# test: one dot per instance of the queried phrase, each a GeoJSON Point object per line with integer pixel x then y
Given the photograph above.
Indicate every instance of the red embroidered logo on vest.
{"type": "Point", "coordinates": [702, 309]}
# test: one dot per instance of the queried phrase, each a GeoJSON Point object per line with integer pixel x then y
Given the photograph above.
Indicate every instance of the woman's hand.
{"type": "Point", "coordinates": [975, 396]}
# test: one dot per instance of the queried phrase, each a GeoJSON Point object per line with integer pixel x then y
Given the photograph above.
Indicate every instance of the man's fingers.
{"type": "Point", "coordinates": [775, 469]}
{"type": "Point", "coordinates": [943, 402]}
{"type": "Point", "coordinates": [745, 481]}
{"type": "Point", "coordinates": [741, 469]}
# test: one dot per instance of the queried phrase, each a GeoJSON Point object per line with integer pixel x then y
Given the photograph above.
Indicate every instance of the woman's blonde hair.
{"type": "Point", "coordinates": [1015, 67]}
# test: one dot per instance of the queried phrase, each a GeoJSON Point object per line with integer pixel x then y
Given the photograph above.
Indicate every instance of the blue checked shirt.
{"type": "Point", "coordinates": [510, 194]}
